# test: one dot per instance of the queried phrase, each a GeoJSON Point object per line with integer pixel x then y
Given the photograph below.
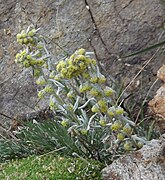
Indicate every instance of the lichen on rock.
{"type": "Point", "coordinates": [146, 163]}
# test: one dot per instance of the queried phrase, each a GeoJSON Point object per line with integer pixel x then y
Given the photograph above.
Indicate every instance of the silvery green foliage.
{"type": "Point", "coordinates": [80, 98]}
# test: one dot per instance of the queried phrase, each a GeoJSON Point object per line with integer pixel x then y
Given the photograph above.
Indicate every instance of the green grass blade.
{"type": "Point", "coordinates": [146, 49]}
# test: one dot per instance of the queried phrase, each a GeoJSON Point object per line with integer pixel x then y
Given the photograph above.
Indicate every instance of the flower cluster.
{"type": "Point", "coordinates": [82, 96]}
{"type": "Point", "coordinates": [28, 60]}
{"type": "Point", "coordinates": [27, 37]}
{"type": "Point", "coordinates": [33, 53]}
{"type": "Point", "coordinates": [75, 65]}
{"type": "Point", "coordinates": [101, 98]}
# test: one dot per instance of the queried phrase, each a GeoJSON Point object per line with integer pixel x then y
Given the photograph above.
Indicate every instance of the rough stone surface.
{"type": "Point", "coordinates": [158, 103]}
{"type": "Point", "coordinates": [110, 28]}
{"type": "Point", "coordinates": [161, 73]}
{"type": "Point", "coordinates": [144, 164]}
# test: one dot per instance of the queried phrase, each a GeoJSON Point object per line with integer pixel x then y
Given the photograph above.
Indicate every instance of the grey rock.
{"type": "Point", "coordinates": [144, 164]}
{"type": "Point", "coordinates": [110, 28]}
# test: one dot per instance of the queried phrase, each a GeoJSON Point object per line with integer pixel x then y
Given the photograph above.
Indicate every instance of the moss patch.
{"type": "Point", "coordinates": [50, 167]}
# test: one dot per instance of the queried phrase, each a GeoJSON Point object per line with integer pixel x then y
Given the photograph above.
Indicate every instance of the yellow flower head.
{"type": "Point", "coordinates": [101, 79]}
{"type": "Point", "coordinates": [52, 75]}
{"type": "Point", "coordinates": [48, 89]}
{"type": "Point", "coordinates": [108, 91]}
{"type": "Point", "coordinates": [127, 129]}
{"type": "Point", "coordinates": [41, 94]}
{"type": "Point", "coordinates": [40, 62]}
{"type": "Point", "coordinates": [102, 122]}
{"type": "Point", "coordinates": [81, 51]}
{"type": "Point", "coordinates": [25, 40]}
{"type": "Point", "coordinates": [57, 77]}
{"type": "Point", "coordinates": [95, 108]}
{"type": "Point", "coordinates": [84, 131]}
{"type": "Point", "coordinates": [32, 32]}
{"type": "Point", "coordinates": [86, 75]}
{"type": "Point", "coordinates": [17, 56]}
{"type": "Point", "coordinates": [41, 80]}
{"type": "Point", "coordinates": [93, 61]}
{"type": "Point", "coordinates": [94, 92]}
{"type": "Point", "coordinates": [37, 72]}
{"type": "Point", "coordinates": [19, 36]}
{"type": "Point", "coordinates": [85, 87]}
{"type": "Point", "coordinates": [28, 57]}
{"type": "Point", "coordinates": [70, 94]}
{"type": "Point", "coordinates": [116, 126]}
{"type": "Point", "coordinates": [26, 64]}
{"type": "Point", "coordinates": [128, 146]}
{"type": "Point", "coordinates": [119, 110]}
{"type": "Point", "coordinates": [64, 123]}
{"type": "Point", "coordinates": [120, 136]}
{"type": "Point", "coordinates": [102, 103]}
{"type": "Point", "coordinates": [94, 79]}
{"type": "Point", "coordinates": [60, 65]}
{"type": "Point", "coordinates": [111, 111]}
{"type": "Point", "coordinates": [140, 144]}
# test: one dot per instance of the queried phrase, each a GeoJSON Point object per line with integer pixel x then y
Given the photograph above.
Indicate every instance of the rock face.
{"type": "Point", "coordinates": [147, 163]}
{"type": "Point", "coordinates": [110, 28]}
{"type": "Point", "coordinates": [158, 103]}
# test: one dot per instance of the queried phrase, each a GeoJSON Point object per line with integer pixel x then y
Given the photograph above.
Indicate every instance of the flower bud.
{"type": "Point", "coordinates": [48, 89]}
{"type": "Point", "coordinates": [17, 56]}
{"type": "Point", "coordinates": [84, 88]}
{"type": "Point", "coordinates": [41, 94]}
{"type": "Point", "coordinates": [111, 111]}
{"type": "Point", "coordinates": [95, 92]}
{"type": "Point", "coordinates": [41, 80]}
{"type": "Point", "coordinates": [140, 144]}
{"type": "Point", "coordinates": [40, 62]}
{"type": "Point", "coordinates": [81, 51]}
{"type": "Point", "coordinates": [102, 122]}
{"type": "Point", "coordinates": [57, 77]}
{"type": "Point", "coordinates": [24, 35]}
{"type": "Point", "coordinates": [31, 33]}
{"type": "Point", "coordinates": [64, 123]}
{"type": "Point", "coordinates": [52, 104]}
{"type": "Point", "coordinates": [31, 40]}
{"type": "Point", "coordinates": [128, 146]}
{"type": "Point", "coordinates": [52, 75]}
{"type": "Point", "coordinates": [116, 126]}
{"type": "Point", "coordinates": [28, 57]}
{"type": "Point", "coordinates": [93, 79]}
{"type": "Point", "coordinates": [102, 103]}
{"type": "Point", "coordinates": [25, 40]}
{"type": "Point", "coordinates": [37, 72]}
{"type": "Point", "coordinates": [26, 64]}
{"type": "Point", "coordinates": [70, 94]}
{"type": "Point", "coordinates": [101, 79]}
{"type": "Point", "coordinates": [70, 107]}
{"type": "Point", "coordinates": [93, 61]}
{"type": "Point", "coordinates": [19, 36]}
{"type": "Point", "coordinates": [84, 131]}
{"type": "Point", "coordinates": [108, 91]}
{"type": "Point", "coordinates": [127, 129]}
{"type": "Point", "coordinates": [103, 106]}
{"type": "Point", "coordinates": [119, 110]}
{"type": "Point", "coordinates": [120, 136]}
{"type": "Point", "coordinates": [95, 108]}
{"type": "Point", "coordinates": [20, 41]}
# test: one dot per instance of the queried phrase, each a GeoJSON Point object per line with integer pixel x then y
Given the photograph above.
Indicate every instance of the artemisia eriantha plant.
{"type": "Point", "coordinates": [80, 98]}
